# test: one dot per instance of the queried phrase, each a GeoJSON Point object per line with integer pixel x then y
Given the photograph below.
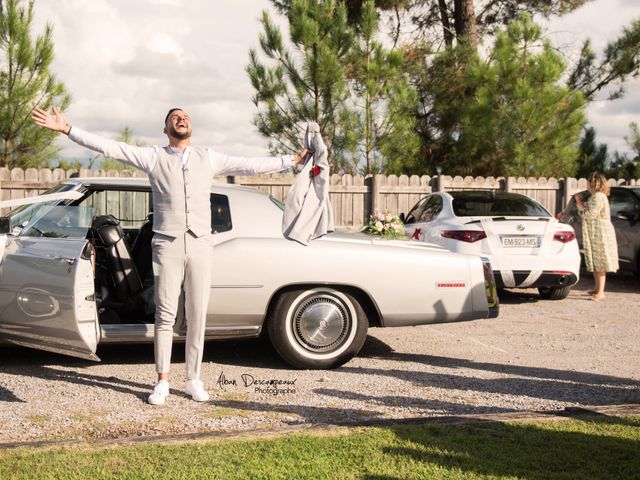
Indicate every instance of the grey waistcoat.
{"type": "Point", "coordinates": [181, 195]}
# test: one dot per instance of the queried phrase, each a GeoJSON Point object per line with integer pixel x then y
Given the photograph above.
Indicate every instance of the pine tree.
{"type": "Point", "coordinates": [306, 82]}
{"type": "Point", "coordinates": [449, 21]}
{"type": "Point", "coordinates": [621, 60]}
{"type": "Point", "coordinates": [26, 82]}
{"type": "Point", "coordinates": [633, 140]}
{"type": "Point", "coordinates": [465, 21]}
{"type": "Point", "coordinates": [522, 117]}
{"type": "Point", "coordinates": [385, 101]}
{"type": "Point", "coordinates": [446, 87]}
{"type": "Point", "coordinates": [511, 114]}
{"type": "Point", "coordinates": [627, 165]}
{"type": "Point", "coordinates": [593, 156]}
{"type": "Point", "coordinates": [354, 7]}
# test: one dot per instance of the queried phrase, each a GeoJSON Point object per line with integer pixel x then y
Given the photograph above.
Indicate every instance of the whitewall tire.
{"type": "Point", "coordinates": [317, 328]}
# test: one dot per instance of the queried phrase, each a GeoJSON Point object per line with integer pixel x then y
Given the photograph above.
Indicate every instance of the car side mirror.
{"type": "Point", "coordinates": [401, 217]}
{"type": "Point", "coordinates": [5, 225]}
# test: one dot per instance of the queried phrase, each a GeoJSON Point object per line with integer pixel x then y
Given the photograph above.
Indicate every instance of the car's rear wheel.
{"type": "Point", "coordinates": [554, 293]}
{"type": "Point", "coordinates": [317, 328]}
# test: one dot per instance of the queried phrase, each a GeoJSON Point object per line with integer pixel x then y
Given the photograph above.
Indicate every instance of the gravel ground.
{"type": "Point", "coordinates": [537, 355]}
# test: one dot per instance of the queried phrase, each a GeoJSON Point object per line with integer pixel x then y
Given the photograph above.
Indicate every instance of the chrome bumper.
{"type": "Point", "coordinates": [490, 289]}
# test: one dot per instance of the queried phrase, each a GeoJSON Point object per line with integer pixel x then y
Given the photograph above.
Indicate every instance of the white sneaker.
{"type": "Point", "coordinates": [195, 388]}
{"type": "Point", "coordinates": [160, 393]}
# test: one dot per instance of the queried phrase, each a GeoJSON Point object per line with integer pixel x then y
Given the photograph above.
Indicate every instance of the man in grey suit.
{"type": "Point", "coordinates": [180, 177]}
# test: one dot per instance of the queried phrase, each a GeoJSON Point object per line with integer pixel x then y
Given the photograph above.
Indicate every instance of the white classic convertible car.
{"type": "Point", "coordinates": [76, 271]}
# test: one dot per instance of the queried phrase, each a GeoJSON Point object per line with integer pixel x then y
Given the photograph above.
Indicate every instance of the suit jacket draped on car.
{"type": "Point", "coordinates": [308, 213]}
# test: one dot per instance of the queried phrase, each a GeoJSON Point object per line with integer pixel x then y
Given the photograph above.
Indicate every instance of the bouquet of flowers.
{"type": "Point", "coordinates": [385, 224]}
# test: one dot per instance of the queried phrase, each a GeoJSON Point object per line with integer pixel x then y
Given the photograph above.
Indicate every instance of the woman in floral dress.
{"type": "Point", "coordinates": [598, 234]}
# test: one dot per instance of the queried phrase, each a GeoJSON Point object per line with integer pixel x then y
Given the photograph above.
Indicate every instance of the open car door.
{"type": "Point", "coordinates": [47, 292]}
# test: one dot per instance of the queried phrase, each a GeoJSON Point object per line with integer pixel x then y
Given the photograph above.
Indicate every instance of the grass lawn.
{"type": "Point", "coordinates": [592, 447]}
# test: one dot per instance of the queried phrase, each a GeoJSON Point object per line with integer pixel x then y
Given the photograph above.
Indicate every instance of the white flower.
{"type": "Point", "coordinates": [385, 224]}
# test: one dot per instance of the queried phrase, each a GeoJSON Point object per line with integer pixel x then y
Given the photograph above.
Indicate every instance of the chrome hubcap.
{"type": "Point", "coordinates": [321, 323]}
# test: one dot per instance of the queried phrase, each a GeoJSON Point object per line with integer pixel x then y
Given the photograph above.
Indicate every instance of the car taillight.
{"type": "Point", "coordinates": [564, 237]}
{"type": "Point", "coordinates": [468, 236]}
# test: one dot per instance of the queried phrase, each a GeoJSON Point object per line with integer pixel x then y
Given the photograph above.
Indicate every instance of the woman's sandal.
{"type": "Point", "coordinates": [597, 298]}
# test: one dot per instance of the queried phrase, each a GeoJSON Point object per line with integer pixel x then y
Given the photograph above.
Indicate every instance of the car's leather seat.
{"type": "Point", "coordinates": [141, 251]}
{"type": "Point", "coordinates": [126, 284]}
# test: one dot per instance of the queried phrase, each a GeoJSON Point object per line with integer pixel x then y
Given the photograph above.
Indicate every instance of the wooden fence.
{"type": "Point", "coordinates": [353, 197]}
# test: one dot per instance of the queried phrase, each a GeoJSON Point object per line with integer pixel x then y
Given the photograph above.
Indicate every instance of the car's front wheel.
{"type": "Point", "coordinates": [317, 328]}
{"type": "Point", "coordinates": [554, 293]}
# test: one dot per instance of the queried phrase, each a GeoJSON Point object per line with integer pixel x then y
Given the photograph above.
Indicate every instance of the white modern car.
{"type": "Point", "coordinates": [526, 245]}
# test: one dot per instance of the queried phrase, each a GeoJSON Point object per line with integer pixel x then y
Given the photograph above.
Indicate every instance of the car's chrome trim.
{"type": "Point", "coordinates": [237, 286]}
{"type": "Point", "coordinates": [141, 332]}
{"type": "Point", "coordinates": [16, 202]}
{"type": "Point", "coordinates": [321, 323]}
{"type": "Point", "coordinates": [48, 344]}
{"type": "Point", "coordinates": [126, 332]}
{"type": "Point", "coordinates": [235, 332]}
{"type": "Point", "coordinates": [490, 289]}
{"type": "Point", "coordinates": [547, 278]}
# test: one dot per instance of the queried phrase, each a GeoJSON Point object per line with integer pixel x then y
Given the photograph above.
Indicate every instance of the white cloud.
{"type": "Point", "coordinates": [174, 3]}
{"type": "Point", "coordinates": [602, 22]}
{"type": "Point", "coordinates": [164, 43]}
{"type": "Point", "coordinates": [127, 62]}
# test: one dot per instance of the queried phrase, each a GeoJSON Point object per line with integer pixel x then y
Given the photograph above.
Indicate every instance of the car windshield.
{"type": "Point", "coordinates": [277, 202]}
{"type": "Point", "coordinates": [495, 204]}
{"type": "Point", "coordinates": [60, 222]}
{"type": "Point", "coordinates": [24, 214]}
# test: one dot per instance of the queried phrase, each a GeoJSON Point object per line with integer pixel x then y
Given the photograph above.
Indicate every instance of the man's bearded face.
{"type": "Point", "coordinates": [179, 125]}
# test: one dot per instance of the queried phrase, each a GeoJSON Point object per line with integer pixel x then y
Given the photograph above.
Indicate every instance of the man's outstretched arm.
{"type": "Point", "coordinates": [144, 158]}
{"type": "Point", "coordinates": [228, 165]}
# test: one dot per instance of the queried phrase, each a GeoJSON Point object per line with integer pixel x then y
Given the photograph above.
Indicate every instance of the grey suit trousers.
{"type": "Point", "coordinates": [183, 262]}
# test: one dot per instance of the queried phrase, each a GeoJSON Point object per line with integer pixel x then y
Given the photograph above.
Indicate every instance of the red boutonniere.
{"type": "Point", "coordinates": [315, 171]}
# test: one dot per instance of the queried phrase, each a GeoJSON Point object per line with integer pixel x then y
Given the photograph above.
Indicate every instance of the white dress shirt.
{"type": "Point", "coordinates": [145, 158]}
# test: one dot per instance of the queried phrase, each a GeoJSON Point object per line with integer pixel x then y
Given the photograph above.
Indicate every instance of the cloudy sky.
{"type": "Point", "coordinates": [127, 62]}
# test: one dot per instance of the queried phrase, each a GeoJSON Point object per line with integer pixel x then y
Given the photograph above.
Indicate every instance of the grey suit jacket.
{"type": "Point", "coordinates": [308, 213]}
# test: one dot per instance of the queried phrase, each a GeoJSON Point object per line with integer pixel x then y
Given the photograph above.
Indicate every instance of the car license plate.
{"type": "Point", "coordinates": [520, 242]}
